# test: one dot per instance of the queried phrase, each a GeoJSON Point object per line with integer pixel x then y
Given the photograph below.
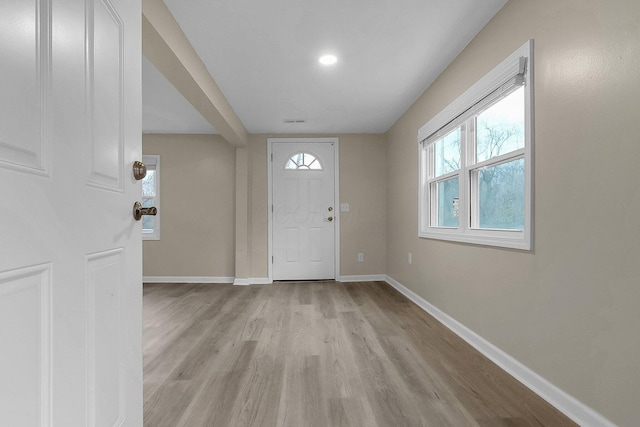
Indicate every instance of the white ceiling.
{"type": "Point", "coordinates": [264, 57]}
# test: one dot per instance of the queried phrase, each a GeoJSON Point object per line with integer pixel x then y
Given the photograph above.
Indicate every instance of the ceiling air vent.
{"type": "Point", "coordinates": [293, 120]}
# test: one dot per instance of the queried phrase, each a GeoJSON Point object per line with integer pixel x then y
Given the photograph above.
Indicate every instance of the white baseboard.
{"type": "Point", "coordinates": [565, 403]}
{"type": "Point", "coordinates": [252, 281]}
{"type": "Point", "coordinates": [260, 281]}
{"type": "Point", "coordinates": [364, 278]}
{"type": "Point", "coordinates": [206, 279]}
{"type": "Point", "coordinates": [186, 279]}
{"type": "Point", "coordinates": [267, 281]}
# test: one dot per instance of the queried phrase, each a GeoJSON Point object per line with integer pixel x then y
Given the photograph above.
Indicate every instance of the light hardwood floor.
{"type": "Point", "coordinates": [317, 354]}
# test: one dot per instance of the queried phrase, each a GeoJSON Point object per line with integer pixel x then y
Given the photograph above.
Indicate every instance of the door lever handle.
{"type": "Point", "coordinates": [329, 219]}
{"type": "Point", "coordinates": [138, 211]}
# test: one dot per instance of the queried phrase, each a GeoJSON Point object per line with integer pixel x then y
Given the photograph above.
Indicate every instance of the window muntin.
{"type": "Point", "coordinates": [486, 197]}
{"type": "Point", "coordinates": [304, 161]}
{"type": "Point", "coordinates": [151, 197]}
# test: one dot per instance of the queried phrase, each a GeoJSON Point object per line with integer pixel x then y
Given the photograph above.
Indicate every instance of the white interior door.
{"type": "Point", "coordinates": [70, 250]}
{"type": "Point", "coordinates": [303, 215]}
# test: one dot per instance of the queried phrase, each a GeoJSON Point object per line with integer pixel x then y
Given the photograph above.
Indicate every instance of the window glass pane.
{"type": "Point", "coordinates": [447, 199]}
{"type": "Point", "coordinates": [501, 196]}
{"type": "Point", "coordinates": [303, 161]}
{"type": "Point", "coordinates": [295, 161]}
{"type": "Point", "coordinates": [291, 165]}
{"type": "Point", "coordinates": [311, 162]}
{"type": "Point", "coordinates": [148, 183]}
{"type": "Point", "coordinates": [500, 128]}
{"type": "Point", "coordinates": [446, 152]}
{"type": "Point", "coordinates": [147, 224]}
{"type": "Point", "coordinates": [147, 220]}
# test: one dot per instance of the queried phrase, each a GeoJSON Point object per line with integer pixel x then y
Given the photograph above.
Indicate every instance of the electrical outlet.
{"type": "Point", "coordinates": [361, 257]}
{"type": "Point", "coordinates": [409, 257]}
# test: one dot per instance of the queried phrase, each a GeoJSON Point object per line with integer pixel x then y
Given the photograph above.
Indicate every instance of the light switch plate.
{"type": "Point", "coordinates": [344, 207]}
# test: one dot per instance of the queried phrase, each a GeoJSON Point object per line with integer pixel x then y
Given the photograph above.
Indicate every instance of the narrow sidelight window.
{"type": "Point", "coordinates": [151, 197]}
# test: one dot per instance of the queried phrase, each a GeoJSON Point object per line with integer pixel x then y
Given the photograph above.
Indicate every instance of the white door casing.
{"type": "Point", "coordinates": [70, 250]}
{"type": "Point", "coordinates": [303, 221]}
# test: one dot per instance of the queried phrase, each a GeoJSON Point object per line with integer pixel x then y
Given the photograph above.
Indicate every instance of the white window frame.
{"type": "Point", "coordinates": [152, 161]}
{"type": "Point", "coordinates": [518, 65]}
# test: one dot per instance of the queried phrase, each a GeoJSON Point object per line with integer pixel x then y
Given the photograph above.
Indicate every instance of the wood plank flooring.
{"type": "Point", "coordinates": [298, 354]}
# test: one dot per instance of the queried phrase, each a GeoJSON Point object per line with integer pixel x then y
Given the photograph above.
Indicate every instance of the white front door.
{"type": "Point", "coordinates": [70, 250]}
{"type": "Point", "coordinates": [303, 217]}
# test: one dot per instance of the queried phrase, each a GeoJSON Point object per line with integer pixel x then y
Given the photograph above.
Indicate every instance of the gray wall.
{"type": "Point", "coordinates": [569, 310]}
{"type": "Point", "coordinates": [197, 204]}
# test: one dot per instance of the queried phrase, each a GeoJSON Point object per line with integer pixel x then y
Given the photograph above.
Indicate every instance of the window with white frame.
{"type": "Point", "coordinates": [476, 161]}
{"type": "Point", "coordinates": [151, 197]}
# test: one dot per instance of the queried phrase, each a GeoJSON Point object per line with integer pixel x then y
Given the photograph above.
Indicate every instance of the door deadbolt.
{"type": "Point", "coordinates": [139, 170]}
{"type": "Point", "coordinates": [330, 208]}
{"type": "Point", "coordinates": [138, 211]}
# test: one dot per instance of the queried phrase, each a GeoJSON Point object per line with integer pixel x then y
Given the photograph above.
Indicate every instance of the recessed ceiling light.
{"type": "Point", "coordinates": [328, 59]}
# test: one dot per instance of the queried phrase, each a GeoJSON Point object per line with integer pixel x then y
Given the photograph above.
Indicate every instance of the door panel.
{"type": "Point", "coordinates": [24, 326]}
{"type": "Point", "coordinates": [303, 219]}
{"type": "Point", "coordinates": [70, 250]}
{"type": "Point", "coordinates": [105, 337]}
{"type": "Point", "coordinates": [104, 63]}
{"type": "Point", "coordinates": [24, 52]}
{"type": "Point", "coordinates": [292, 244]}
{"type": "Point", "coordinates": [316, 253]}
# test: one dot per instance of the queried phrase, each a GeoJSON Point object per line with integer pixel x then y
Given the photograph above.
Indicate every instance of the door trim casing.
{"type": "Point", "coordinates": [336, 195]}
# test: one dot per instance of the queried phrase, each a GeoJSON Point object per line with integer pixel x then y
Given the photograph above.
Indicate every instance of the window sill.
{"type": "Point", "coordinates": [517, 241]}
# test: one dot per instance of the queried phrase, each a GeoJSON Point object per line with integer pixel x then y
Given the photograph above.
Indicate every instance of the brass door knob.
{"type": "Point", "coordinates": [138, 211]}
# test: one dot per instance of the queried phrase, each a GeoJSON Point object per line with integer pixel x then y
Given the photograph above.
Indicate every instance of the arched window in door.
{"type": "Point", "coordinates": [303, 161]}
